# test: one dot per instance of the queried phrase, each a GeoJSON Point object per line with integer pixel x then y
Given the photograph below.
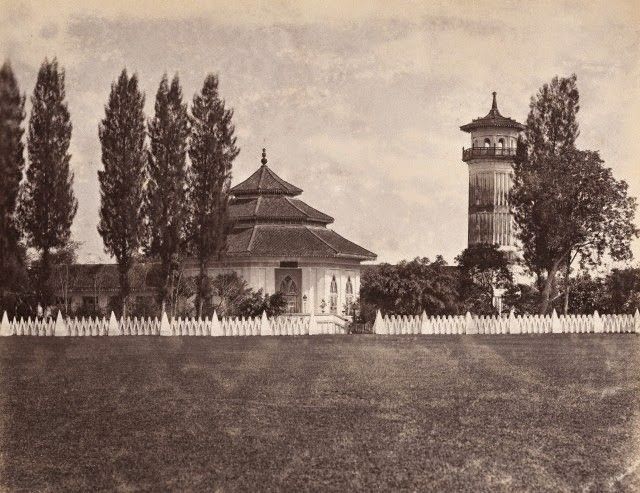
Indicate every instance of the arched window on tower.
{"type": "Point", "coordinates": [500, 143]}
{"type": "Point", "coordinates": [289, 289]}
{"type": "Point", "coordinates": [475, 142]}
{"type": "Point", "coordinates": [333, 296]}
{"type": "Point", "coordinates": [487, 142]}
{"type": "Point", "coordinates": [349, 297]}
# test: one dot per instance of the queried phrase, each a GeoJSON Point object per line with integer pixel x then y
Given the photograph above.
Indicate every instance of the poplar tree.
{"type": "Point", "coordinates": [566, 203]}
{"type": "Point", "coordinates": [165, 200]}
{"type": "Point", "coordinates": [48, 205]}
{"type": "Point", "coordinates": [212, 149]}
{"type": "Point", "coordinates": [124, 153]}
{"type": "Point", "coordinates": [11, 166]}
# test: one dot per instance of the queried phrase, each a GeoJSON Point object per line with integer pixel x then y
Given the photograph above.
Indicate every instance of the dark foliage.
{"type": "Point", "coordinates": [566, 203]}
{"type": "Point", "coordinates": [47, 203]}
{"type": "Point", "coordinates": [17, 295]}
{"type": "Point", "coordinates": [411, 287]}
{"type": "Point", "coordinates": [165, 198]}
{"type": "Point", "coordinates": [483, 269]}
{"type": "Point", "coordinates": [11, 166]}
{"type": "Point", "coordinates": [233, 298]}
{"type": "Point", "coordinates": [212, 149]}
{"type": "Point", "coordinates": [622, 288]}
{"type": "Point", "coordinates": [521, 298]}
{"type": "Point", "coordinates": [588, 294]}
{"type": "Point", "coordinates": [122, 136]}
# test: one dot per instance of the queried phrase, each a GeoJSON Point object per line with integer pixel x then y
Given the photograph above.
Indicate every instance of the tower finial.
{"type": "Point", "coordinates": [264, 156]}
{"type": "Point", "coordinates": [494, 107]}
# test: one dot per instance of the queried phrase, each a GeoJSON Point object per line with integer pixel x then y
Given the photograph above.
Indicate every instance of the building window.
{"type": "Point", "coordinates": [500, 143]}
{"type": "Point", "coordinates": [487, 142]}
{"type": "Point", "coordinates": [333, 296]}
{"type": "Point", "coordinates": [475, 142]}
{"type": "Point", "coordinates": [349, 296]}
{"type": "Point", "coordinates": [289, 289]}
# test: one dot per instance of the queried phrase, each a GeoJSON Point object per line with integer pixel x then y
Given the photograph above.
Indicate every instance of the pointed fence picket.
{"type": "Point", "coordinates": [511, 324]}
{"type": "Point", "coordinates": [294, 325]}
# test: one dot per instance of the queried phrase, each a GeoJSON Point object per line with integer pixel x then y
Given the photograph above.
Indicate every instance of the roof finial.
{"type": "Point", "coordinates": [264, 156]}
{"type": "Point", "coordinates": [494, 113]}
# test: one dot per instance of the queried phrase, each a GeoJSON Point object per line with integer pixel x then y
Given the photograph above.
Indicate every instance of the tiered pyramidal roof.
{"type": "Point", "coordinates": [270, 222]}
{"type": "Point", "coordinates": [493, 119]}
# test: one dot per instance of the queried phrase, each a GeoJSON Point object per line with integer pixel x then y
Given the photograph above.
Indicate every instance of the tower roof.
{"type": "Point", "coordinates": [265, 182]}
{"type": "Point", "coordinates": [493, 119]}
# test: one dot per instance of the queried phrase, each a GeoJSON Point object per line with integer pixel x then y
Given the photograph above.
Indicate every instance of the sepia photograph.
{"type": "Point", "coordinates": [290, 245]}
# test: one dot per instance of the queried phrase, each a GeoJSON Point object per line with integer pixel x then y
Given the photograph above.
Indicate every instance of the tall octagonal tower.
{"type": "Point", "coordinates": [490, 159]}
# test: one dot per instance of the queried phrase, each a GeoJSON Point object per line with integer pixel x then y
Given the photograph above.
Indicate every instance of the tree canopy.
{"type": "Point", "coordinates": [165, 197]}
{"type": "Point", "coordinates": [410, 287]}
{"type": "Point", "coordinates": [11, 166]}
{"type": "Point", "coordinates": [124, 153]}
{"type": "Point", "coordinates": [212, 149]}
{"type": "Point", "coordinates": [483, 269]}
{"type": "Point", "coordinates": [47, 203]}
{"type": "Point", "coordinates": [566, 203]}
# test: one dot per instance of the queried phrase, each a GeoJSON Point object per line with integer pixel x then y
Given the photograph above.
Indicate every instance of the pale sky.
{"type": "Point", "coordinates": [358, 103]}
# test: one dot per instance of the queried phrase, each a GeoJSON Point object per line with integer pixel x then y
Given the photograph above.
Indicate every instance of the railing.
{"type": "Point", "coordinates": [494, 152]}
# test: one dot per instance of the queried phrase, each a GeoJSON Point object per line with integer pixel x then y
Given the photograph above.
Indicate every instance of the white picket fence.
{"type": "Point", "coordinates": [320, 324]}
{"type": "Point", "coordinates": [111, 326]}
{"type": "Point", "coordinates": [512, 324]}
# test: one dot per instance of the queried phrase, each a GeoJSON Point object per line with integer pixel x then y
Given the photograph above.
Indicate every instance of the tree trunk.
{"type": "Point", "coordinates": [45, 273]}
{"type": "Point", "coordinates": [548, 287]}
{"type": "Point", "coordinates": [125, 288]}
{"type": "Point", "coordinates": [566, 284]}
{"type": "Point", "coordinates": [202, 288]}
{"type": "Point", "coordinates": [165, 273]}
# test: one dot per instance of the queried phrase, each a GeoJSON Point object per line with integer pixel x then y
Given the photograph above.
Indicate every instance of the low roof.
{"type": "Point", "coordinates": [103, 277]}
{"type": "Point", "coordinates": [265, 240]}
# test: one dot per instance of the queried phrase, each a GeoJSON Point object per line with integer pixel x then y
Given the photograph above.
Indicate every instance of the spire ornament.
{"type": "Point", "coordinates": [264, 157]}
{"type": "Point", "coordinates": [494, 107]}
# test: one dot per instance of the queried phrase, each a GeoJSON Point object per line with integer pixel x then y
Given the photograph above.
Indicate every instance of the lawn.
{"type": "Point", "coordinates": [475, 413]}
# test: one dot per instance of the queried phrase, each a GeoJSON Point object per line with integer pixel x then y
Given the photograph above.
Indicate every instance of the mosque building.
{"type": "Point", "coordinates": [281, 244]}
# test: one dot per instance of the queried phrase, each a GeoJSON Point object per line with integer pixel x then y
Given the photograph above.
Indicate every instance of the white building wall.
{"type": "Point", "coordinates": [316, 281]}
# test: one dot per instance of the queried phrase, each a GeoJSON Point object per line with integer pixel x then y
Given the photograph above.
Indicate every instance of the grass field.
{"type": "Point", "coordinates": [500, 413]}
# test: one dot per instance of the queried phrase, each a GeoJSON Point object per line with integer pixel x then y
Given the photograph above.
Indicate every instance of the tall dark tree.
{"type": "Point", "coordinates": [165, 199]}
{"type": "Point", "coordinates": [11, 166]}
{"type": "Point", "coordinates": [124, 153]}
{"type": "Point", "coordinates": [483, 269]}
{"type": "Point", "coordinates": [48, 205]}
{"type": "Point", "coordinates": [566, 203]}
{"type": "Point", "coordinates": [212, 150]}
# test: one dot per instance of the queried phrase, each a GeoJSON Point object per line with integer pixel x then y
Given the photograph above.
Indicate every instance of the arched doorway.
{"type": "Point", "coordinates": [291, 292]}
